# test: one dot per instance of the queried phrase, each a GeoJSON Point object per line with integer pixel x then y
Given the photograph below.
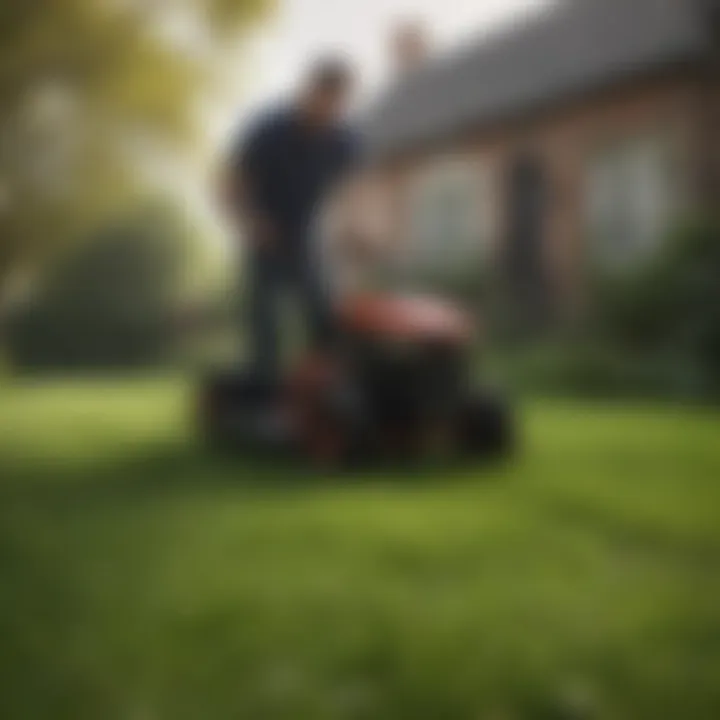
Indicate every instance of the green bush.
{"type": "Point", "coordinates": [653, 330]}
{"type": "Point", "coordinates": [669, 308]}
{"type": "Point", "coordinates": [110, 304]}
{"type": "Point", "coordinates": [594, 369]}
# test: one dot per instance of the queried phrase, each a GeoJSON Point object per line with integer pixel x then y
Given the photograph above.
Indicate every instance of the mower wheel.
{"type": "Point", "coordinates": [226, 410]}
{"type": "Point", "coordinates": [336, 429]}
{"type": "Point", "coordinates": [487, 428]}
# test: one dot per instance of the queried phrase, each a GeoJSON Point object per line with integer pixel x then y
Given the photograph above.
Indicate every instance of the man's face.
{"type": "Point", "coordinates": [329, 105]}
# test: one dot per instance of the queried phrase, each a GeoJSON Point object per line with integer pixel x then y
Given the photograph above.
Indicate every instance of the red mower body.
{"type": "Point", "coordinates": [395, 385]}
{"type": "Point", "coordinates": [406, 319]}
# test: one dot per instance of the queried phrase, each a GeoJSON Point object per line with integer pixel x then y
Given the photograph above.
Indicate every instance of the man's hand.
{"type": "Point", "coordinates": [257, 229]}
{"type": "Point", "coordinates": [357, 221]}
{"type": "Point", "coordinates": [260, 232]}
{"type": "Point", "coordinates": [356, 245]}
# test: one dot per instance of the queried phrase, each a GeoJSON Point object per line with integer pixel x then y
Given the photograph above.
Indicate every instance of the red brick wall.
{"type": "Point", "coordinates": [566, 137]}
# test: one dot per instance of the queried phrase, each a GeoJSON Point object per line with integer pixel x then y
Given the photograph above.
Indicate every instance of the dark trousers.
{"type": "Point", "coordinates": [272, 278]}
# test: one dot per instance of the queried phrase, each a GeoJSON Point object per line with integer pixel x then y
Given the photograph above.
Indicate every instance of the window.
{"type": "Point", "coordinates": [633, 195]}
{"type": "Point", "coordinates": [450, 213]}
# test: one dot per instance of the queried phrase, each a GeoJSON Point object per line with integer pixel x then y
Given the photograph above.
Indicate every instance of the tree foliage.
{"type": "Point", "coordinates": [90, 91]}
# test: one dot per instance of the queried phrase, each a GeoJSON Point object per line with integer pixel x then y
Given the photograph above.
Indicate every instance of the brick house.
{"type": "Point", "coordinates": [576, 136]}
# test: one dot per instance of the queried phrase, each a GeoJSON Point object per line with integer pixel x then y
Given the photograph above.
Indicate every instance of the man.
{"type": "Point", "coordinates": [280, 174]}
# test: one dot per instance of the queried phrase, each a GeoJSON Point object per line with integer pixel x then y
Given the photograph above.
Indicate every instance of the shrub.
{"type": "Point", "coordinates": [653, 331]}
{"type": "Point", "coordinates": [110, 304]}
{"type": "Point", "coordinates": [669, 308]}
{"type": "Point", "coordinates": [595, 369]}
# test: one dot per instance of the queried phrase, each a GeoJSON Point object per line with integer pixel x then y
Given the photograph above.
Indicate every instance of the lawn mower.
{"type": "Point", "coordinates": [395, 386]}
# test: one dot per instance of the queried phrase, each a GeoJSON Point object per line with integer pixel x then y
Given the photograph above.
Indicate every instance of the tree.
{"type": "Point", "coordinates": [90, 91]}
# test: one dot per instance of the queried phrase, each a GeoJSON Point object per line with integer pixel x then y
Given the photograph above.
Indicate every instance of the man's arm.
{"type": "Point", "coordinates": [236, 195]}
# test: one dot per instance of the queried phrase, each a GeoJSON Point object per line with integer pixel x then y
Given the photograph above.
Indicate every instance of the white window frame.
{"type": "Point", "coordinates": [634, 191]}
{"type": "Point", "coordinates": [452, 214]}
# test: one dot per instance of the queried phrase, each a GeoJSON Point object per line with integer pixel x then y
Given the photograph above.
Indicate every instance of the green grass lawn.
{"type": "Point", "coordinates": [143, 580]}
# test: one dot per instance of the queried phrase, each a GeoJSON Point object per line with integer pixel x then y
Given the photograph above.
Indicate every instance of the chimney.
{"type": "Point", "coordinates": [409, 46]}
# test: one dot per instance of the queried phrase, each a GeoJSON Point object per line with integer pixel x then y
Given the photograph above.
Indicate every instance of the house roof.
{"type": "Point", "coordinates": [573, 47]}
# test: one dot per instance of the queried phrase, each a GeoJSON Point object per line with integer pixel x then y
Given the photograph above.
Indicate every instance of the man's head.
{"type": "Point", "coordinates": [328, 90]}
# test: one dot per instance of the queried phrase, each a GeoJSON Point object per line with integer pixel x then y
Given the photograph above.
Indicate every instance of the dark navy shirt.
{"type": "Point", "coordinates": [288, 168]}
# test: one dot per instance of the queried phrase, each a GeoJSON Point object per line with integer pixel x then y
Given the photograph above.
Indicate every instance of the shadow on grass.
{"type": "Point", "coordinates": [189, 468]}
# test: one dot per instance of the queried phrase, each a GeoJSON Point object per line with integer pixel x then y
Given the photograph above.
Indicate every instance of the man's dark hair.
{"type": "Point", "coordinates": [331, 74]}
